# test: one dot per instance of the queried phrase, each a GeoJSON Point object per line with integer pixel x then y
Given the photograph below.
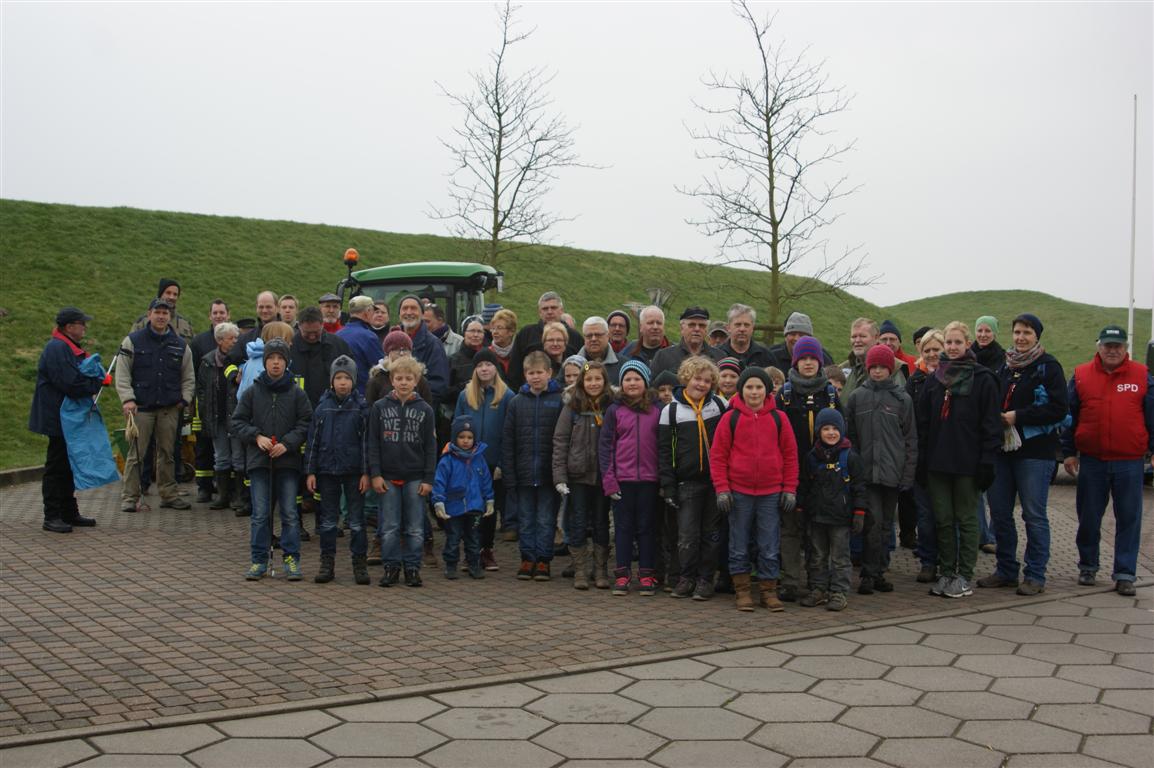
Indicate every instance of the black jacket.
{"type": "Point", "coordinates": [992, 355]}
{"type": "Point", "coordinates": [212, 395]}
{"type": "Point", "coordinates": [757, 354]}
{"type": "Point", "coordinates": [801, 400]}
{"type": "Point", "coordinates": [527, 340]}
{"type": "Point", "coordinates": [823, 494]}
{"type": "Point", "coordinates": [460, 371]}
{"type": "Point", "coordinates": [527, 443]}
{"type": "Point", "coordinates": [780, 358]}
{"type": "Point", "coordinates": [1019, 393]}
{"type": "Point", "coordinates": [277, 409]}
{"type": "Point", "coordinates": [682, 456]}
{"type": "Point", "coordinates": [337, 436]}
{"type": "Point", "coordinates": [671, 358]}
{"type": "Point", "coordinates": [313, 362]}
{"type": "Point", "coordinates": [957, 440]}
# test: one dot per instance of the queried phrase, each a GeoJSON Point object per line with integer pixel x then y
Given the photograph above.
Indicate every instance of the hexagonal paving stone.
{"type": "Point", "coordinates": [1056, 653]}
{"type": "Point", "coordinates": [1115, 643]}
{"type": "Point", "coordinates": [298, 725]}
{"type": "Point", "coordinates": [884, 636]}
{"type": "Point", "coordinates": [968, 644]}
{"type": "Point", "coordinates": [898, 722]}
{"type": "Point", "coordinates": [785, 707]}
{"type": "Point", "coordinates": [866, 692]}
{"type": "Point", "coordinates": [1019, 736]}
{"type": "Point", "coordinates": [1003, 616]}
{"type": "Point", "coordinates": [818, 646]}
{"type": "Point", "coordinates": [1082, 624]}
{"type": "Point", "coordinates": [606, 764]}
{"type": "Point", "coordinates": [949, 625]}
{"type": "Point", "coordinates": [289, 753]}
{"type": "Point", "coordinates": [587, 708]}
{"type": "Point", "coordinates": [1134, 751]}
{"type": "Point", "coordinates": [678, 693]}
{"type": "Point", "coordinates": [599, 741]}
{"type": "Point", "coordinates": [939, 679]}
{"type": "Point", "coordinates": [51, 755]}
{"type": "Point", "coordinates": [129, 761]}
{"type": "Point", "coordinates": [1103, 600]}
{"type": "Point", "coordinates": [1124, 615]}
{"type": "Point", "coordinates": [509, 695]}
{"type": "Point", "coordinates": [1067, 760]}
{"type": "Point", "coordinates": [747, 657]}
{"type": "Point", "coordinates": [1142, 662]}
{"type": "Point", "coordinates": [906, 655]}
{"type": "Point", "coordinates": [1005, 665]}
{"type": "Point", "coordinates": [1045, 690]}
{"type": "Point", "coordinates": [586, 682]}
{"type": "Point", "coordinates": [410, 710]}
{"type": "Point", "coordinates": [1091, 718]}
{"type": "Point", "coordinates": [927, 753]}
{"type": "Point", "coordinates": [487, 723]}
{"type": "Point", "coordinates": [1055, 608]}
{"type": "Point", "coordinates": [761, 679]}
{"type": "Point", "coordinates": [679, 669]}
{"type": "Point", "coordinates": [717, 754]}
{"type": "Point", "coordinates": [374, 762]}
{"type": "Point", "coordinates": [378, 740]}
{"type": "Point", "coordinates": [1106, 676]}
{"type": "Point", "coordinates": [697, 723]}
{"type": "Point", "coordinates": [491, 754]}
{"type": "Point", "coordinates": [830, 667]}
{"type": "Point", "coordinates": [1028, 634]}
{"type": "Point", "coordinates": [836, 762]}
{"type": "Point", "coordinates": [977, 705]}
{"type": "Point", "coordinates": [161, 741]}
{"type": "Point", "coordinates": [1135, 701]}
{"type": "Point", "coordinates": [814, 740]}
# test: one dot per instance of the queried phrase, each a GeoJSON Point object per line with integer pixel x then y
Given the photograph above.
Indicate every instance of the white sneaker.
{"type": "Point", "coordinates": [939, 587]}
{"type": "Point", "coordinates": [958, 587]}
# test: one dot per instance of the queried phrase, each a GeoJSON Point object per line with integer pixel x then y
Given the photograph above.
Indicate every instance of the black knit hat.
{"type": "Point", "coordinates": [165, 282]}
{"type": "Point", "coordinates": [276, 347]}
{"type": "Point", "coordinates": [753, 372]}
{"type": "Point", "coordinates": [1030, 320]}
{"type": "Point", "coordinates": [666, 378]}
{"type": "Point", "coordinates": [621, 314]}
{"type": "Point", "coordinates": [485, 355]}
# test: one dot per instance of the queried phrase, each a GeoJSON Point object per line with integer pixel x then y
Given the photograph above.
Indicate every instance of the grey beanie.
{"type": "Point", "coordinates": [798, 322]}
{"type": "Point", "coordinates": [343, 364]}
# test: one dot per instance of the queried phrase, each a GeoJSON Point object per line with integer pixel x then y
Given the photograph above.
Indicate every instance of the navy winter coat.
{"type": "Point", "coordinates": [337, 436]}
{"type": "Point", "coordinates": [277, 409]}
{"type": "Point", "coordinates": [364, 347]}
{"type": "Point", "coordinates": [527, 444]}
{"type": "Point", "coordinates": [58, 376]}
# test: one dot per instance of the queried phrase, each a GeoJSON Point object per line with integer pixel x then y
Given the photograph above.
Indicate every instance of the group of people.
{"type": "Point", "coordinates": [713, 463]}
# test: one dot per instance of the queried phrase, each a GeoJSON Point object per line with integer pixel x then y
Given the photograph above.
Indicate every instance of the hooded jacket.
{"type": "Point", "coordinates": [527, 443]}
{"type": "Point", "coordinates": [402, 441]}
{"type": "Point", "coordinates": [880, 421]}
{"type": "Point", "coordinates": [273, 408]}
{"type": "Point", "coordinates": [337, 435]}
{"type": "Point", "coordinates": [758, 458]}
{"type": "Point", "coordinates": [628, 446]}
{"type": "Point", "coordinates": [575, 443]}
{"type": "Point", "coordinates": [463, 482]}
{"type": "Point", "coordinates": [489, 421]}
{"type": "Point", "coordinates": [823, 494]}
{"type": "Point", "coordinates": [682, 442]}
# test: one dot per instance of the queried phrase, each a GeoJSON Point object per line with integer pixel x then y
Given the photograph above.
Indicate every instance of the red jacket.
{"type": "Point", "coordinates": [1110, 410]}
{"type": "Point", "coordinates": [760, 457]}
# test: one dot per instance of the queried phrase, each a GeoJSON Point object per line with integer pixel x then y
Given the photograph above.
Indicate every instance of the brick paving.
{"type": "Point", "coordinates": [146, 620]}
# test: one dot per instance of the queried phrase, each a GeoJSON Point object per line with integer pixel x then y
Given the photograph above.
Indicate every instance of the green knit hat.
{"type": "Point", "coordinates": [989, 320]}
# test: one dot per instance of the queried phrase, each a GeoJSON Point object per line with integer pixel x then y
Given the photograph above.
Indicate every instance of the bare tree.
{"type": "Point", "coordinates": [772, 195]}
{"type": "Point", "coordinates": [507, 151]}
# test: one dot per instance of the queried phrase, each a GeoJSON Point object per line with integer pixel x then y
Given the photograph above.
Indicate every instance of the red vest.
{"type": "Point", "coordinates": [1111, 423]}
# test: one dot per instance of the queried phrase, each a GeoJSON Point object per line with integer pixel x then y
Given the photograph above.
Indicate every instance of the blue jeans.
{"type": "Point", "coordinates": [1097, 481]}
{"type": "Point", "coordinates": [538, 518]}
{"type": "Point", "coordinates": [927, 551]}
{"type": "Point", "coordinates": [1028, 480]}
{"type": "Point", "coordinates": [260, 525]}
{"type": "Point", "coordinates": [402, 524]}
{"type": "Point", "coordinates": [462, 528]}
{"type": "Point", "coordinates": [587, 507]}
{"type": "Point", "coordinates": [985, 527]}
{"type": "Point", "coordinates": [510, 519]}
{"type": "Point", "coordinates": [755, 519]}
{"type": "Point", "coordinates": [633, 519]}
{"type": "Point", "coordinates": [330, 488]}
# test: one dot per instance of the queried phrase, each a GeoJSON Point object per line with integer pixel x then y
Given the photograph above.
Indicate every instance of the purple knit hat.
{"type": "Point", "coordinates": [807, 346]}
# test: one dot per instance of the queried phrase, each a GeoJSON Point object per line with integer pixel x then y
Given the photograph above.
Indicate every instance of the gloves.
{"type": "Point", "coordinates": [724, 502]}
{"type": "Point", "coordinates": [496, 473]}
{"type": "Point", "coordinates": [562, 488]}
{"type": "Point", "coordinates": [985, 476]}
{"type": "Point", "coordinates": [858, 520]}
{"type": "Point", "coordinates": [787, 503]}
{"type": "Point", "coordinates": [615, 496]}
{"type": "Point", "coordinates": [670, 494]}
{"type": "Point", "coordinates": [489, 508]}
{"type": "Point", "coordinates": [439, 508]}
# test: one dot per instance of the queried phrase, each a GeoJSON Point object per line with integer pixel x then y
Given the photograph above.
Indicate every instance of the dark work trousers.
{"type": "Point", "coordinates": [488, 527]}
{"type": "Point", "coordinates": [205, 460]}
{"type": "Point", "coordinates": [665, 539]}
{"type": "Point", "coordinates": [698, 531]}
{"type": "Point", "coordinates": [633, 517]}
{"type": "Point", "coordinates": [908, 519]}
{"type": "Point", "coordinates": [875, 558]}
{"type": "Point", "coordinates": [58, 487]}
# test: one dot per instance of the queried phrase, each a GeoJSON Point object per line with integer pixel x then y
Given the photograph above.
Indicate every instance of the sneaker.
{"type": "Point", "coordinates": [451, 572]}
{"type": "Point", "coordinates": [939, 587]}
{"type": "Point", "coordinates": [128, 505]}
{"type": "Point", "coordinates": [1124, 588]}
{"type": "Point", "coordinates": [256, 572]}
{"type": "Point", "coordinates": [648, 586]}
{"type": "Point", "coordinates": [995, 580]}
{"type": "Point", "coordinates": [787, 593]}
{"type": "Point", "coordinates": [413, 577]}
{"type": "Point", "coordinates": [959, 586]}
{"type": "Point", "coordinates": [703, 590]}
{"type": "Point", "coordinates": [541, 572]}
{"type": "Point", "coordinates": [390, 577]}
{"type": "Point", "coordinates": [488, 562]}
{"type": "Point", "coordinates": [1029, 588]}
{"type": "Point", "coordinates": [926, 574]}
{"type": "Point", "coordinates": [815, 598]}
{"type": "Point", "coordinates": [175, 503]}
{"type": "Point", "coordinates": [525, 572]}
{"type": "Point", "coordinates": [621, 585]}
{"type": "Point", "coordinates": [476, 571]}
{"type": "Point", "coordinates": [882, 585]}
{"type": "Point", "coordinates": [1088, 579]}
{"type": "Point", "coordinates": [292, 568]}
{"type": "Point", "coordinates": [837, 602]}
{"type": "Point", "coordinates": [865, 586]}
{"type": "Point", "coordinates": [683, 589]}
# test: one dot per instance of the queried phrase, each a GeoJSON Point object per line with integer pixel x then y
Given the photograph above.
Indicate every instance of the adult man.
{"type": "Point", "coordinates": [718, 334]}
{"type": "Point", "coordinates": [595, 330]}
{"type": "Point", "coordinates": [891, 336]}
{"type": "Point", "coordinates": [426, 348]}
{"type": "Point", "coordinates": [863, 335]}
{"type": "Point", "coordinates": [651, 337]}
{"type": "Point", "coordinates": [155, 381]}
{"type": "Point", "coordinates": [330, 305]}
{"type": "Point", "coordinates": [287, 307]}
{"type": "Point", "coordinates": [57, 377]}
{"type": "Point", "coordinates": [1112, 408]}
{"type": "Point", "coordinates": [741, 319]}
{"type": "Point", "coordinates": [694, 321]}
{"type": "Point", "coordinates": [618, 329]}
{"type": "Point", "coordinates": [313, 351]}
{"type": "Point", "coordinates": [169, 290]}
{"type": "Point", "coordinates": [549, 310]}
{"type": "Point", "coordinates": [358, 334]}
{"type": "Point", "coordinates": [434, 315]}
{"type": "Point", "coordinates": [797, 325]}
{"type": "Point", "coordinates": [202, 344]}
{"type": "Point", "coordinates": [266, 312]}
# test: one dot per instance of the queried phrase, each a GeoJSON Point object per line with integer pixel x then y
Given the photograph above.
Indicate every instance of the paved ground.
{"type": "Point", "coordinates": [154, 626]}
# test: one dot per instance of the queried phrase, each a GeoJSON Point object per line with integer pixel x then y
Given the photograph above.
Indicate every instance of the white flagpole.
{"type": "Point", "coordinates": [1133, 217]}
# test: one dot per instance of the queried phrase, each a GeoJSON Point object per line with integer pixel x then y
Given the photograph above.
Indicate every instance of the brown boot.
{"type": "Point", "coordinates": [741, 589]}
{"type": "Point", "coordinates": [600, 566]}
{"type": "Point", "coordinates": [581, 574]}
{"type": "Point", "coordinates": [769, 597]}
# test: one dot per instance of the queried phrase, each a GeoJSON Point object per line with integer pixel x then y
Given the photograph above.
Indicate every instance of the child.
{"type": "Point", "coordinates": [729, 371]}
{"type": "Point", "coordinates": [777, 377]}
{"type": "Point", "coordinates": [879, 419]}
{"type": "Point", "coordinates": [272, 420]}
{"type": "Point", "coordinates": [832, 497]}
{"type": "Point", "coordinates": [629, 476]}
{"type": "Point", "coordinates": [335, 463]}
{"type": "Point", "coordinates": [684, 434]}
{"type": "Point", "coordinates": [753, 463]}
{"type": "Point", "coordinates": [803, 397]}
{"type": "Point", "coordinates": [462, 492]}
{"type": "Point", "coordinates": [527, 445]}
{"type": "Point", "coordinates": [836, 376]}
{"type": "Point", "coordinates": [576, 474]}
{"type": "Point", "coordinates": [571, 369]}
{"type": "Point", "coordinates": [402, 442]}
{"type": "Point", "coordinates": [665, 382]}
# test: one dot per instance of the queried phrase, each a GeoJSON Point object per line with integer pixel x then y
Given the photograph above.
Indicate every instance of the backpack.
{"type": "Point", "coordinates": [842, 466]}
{"type": "Point", "coordinates": [736, 413]}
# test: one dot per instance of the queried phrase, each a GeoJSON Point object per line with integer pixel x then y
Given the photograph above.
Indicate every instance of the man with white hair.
{"type": "Point", "coordinates": [364, 346]}
{"type": "Point", "coordinates": [550, 308]}
{"type": "Point", "coordinates": [651, 337]}
{"type": "Point", "coordinates": [741, 318]}
{"type": "Point", "coordinates": [595, 330]}
{"type": "Point", "coordinates": [694, 322]}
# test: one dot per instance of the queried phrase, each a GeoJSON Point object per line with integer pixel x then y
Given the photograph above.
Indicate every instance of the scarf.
{"type": "Point", "coordinates": [807, 386]}
{"type": "Point", "coordinates": [1016, 360]}
{"type": "Point", "coordinates": [619, 345]}
{"type": "Point", "coordinates": [957, 376]}
{"type": "Point", "coordinates": [702, 435]}
{"type": "Point", "coordinates": [501, 352]}
{"type": "Point", "coordinates": [60, 336]}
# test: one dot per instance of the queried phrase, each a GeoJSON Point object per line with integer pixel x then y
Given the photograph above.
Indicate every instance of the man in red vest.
{"type": "Point", "coordinates": [1112, 408]}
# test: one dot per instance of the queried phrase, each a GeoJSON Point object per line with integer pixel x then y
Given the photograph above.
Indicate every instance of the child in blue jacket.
{"type": "Point", "coordinates": [462, 494]}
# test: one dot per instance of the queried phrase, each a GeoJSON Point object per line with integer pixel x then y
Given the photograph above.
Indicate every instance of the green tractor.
{"type": "Point", "coordinates": [458, 287]}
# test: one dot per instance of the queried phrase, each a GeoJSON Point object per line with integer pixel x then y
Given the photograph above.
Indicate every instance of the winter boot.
{"type": "Point", "coordinates": [360, 569]}
{"type": "Point", "coordinates": [741, 585]}
{"type": "Point", "coordinates": [580, 561]}
{"type": "Point", "coordinates": [325, 574]}
{"type": "Point", "coordinates": [224, 491]}
{"type": "Point", "coordinates": [769, 598]}
{"type": "Point", "coordinates": [570, 570]}
{"type": "Point", "coordinates": [600, 566]}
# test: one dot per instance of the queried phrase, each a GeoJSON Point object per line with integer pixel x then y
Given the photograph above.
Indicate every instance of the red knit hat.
{"type": "Point", "coordinates": [880, 354]}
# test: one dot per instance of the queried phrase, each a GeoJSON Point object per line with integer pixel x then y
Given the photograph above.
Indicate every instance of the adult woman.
{"type": "Point", "coordinates": [958, 437]}
{"type": "Point", "coordinates": [461, 363]}
{"type": "Point", "coordinates": [554, 338]}
{"type": "Point", "coordinates": [930, 347]}
{"type": "Point", "coordinates": [503, 327]}
{"type": "Point", "coordinates": [990, 354]}
{"type": "Point", "coordinates": [1033, 403]}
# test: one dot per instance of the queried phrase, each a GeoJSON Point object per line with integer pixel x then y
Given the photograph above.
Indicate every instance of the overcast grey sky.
{"type": "Point", "coordinates": [994, 139]}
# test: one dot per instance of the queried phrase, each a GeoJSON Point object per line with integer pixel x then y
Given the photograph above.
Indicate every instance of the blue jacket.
{"type": "Point", "coordinates": [364, 347]}
{"type": "Point", "coordinates": [252, 367]}
{"type": "Point", "coordinates": [337, 436]}
{"type": "Point", "coordinates": [57, 376]}
{"type": "Point", "coordinates": [429, 350]}
{"type": "Point", "coordinates": [463, 484]}
{"type": "Point", "coordinates": [527, 445]}
{"type": "Point", "coordinates": [490, 422]}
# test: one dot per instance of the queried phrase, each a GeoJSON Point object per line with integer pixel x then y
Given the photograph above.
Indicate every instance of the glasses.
{"type": "Point", "coordinates": [592, 335]}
